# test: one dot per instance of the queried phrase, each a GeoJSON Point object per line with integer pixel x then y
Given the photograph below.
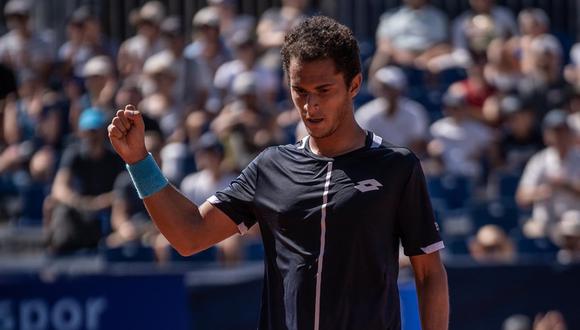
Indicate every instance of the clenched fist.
{"type": "Point", "coordinates": [127, 135]}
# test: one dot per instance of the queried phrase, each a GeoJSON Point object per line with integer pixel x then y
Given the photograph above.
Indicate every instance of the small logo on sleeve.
{"type": "Point", "coordinates": [368, 185]}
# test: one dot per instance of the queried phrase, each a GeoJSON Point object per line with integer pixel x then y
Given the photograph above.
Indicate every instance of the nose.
{"type": "Point", "coordinates": [311, 104]}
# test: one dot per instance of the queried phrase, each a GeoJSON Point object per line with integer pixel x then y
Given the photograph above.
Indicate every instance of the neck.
{"type": "Point", "coordinates": [339, 143]}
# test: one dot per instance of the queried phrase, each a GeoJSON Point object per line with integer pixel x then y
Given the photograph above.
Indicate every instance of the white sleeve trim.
{"type": "Point", "coordinates": [433, 247]}
{"type": "Point", "coordinates": [242, 228]}
{"type": "Point", "coordinates": [213, 199]}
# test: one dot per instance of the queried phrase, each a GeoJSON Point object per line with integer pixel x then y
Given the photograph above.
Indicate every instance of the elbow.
{"type": "Point", "coordinates": [185, 250]}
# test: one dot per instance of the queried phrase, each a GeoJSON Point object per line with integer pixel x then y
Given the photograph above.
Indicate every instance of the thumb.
{"type": "Point", "coordinates": [135, 117]}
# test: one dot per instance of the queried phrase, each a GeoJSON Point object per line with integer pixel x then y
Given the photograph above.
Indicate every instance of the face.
{"type": "Point", "coordinates": [321, 96]}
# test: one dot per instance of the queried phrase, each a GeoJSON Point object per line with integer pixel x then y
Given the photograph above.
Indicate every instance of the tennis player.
{"type": "Point", "coordinates": [332, 209]}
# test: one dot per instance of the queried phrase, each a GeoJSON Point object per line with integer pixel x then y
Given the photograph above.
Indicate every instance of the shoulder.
{"type": "Point", "coordinates": [394, 155]}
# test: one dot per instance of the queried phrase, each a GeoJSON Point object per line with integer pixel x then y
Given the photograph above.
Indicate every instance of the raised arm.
{"type": "Point", "coordinates": [186, 226]}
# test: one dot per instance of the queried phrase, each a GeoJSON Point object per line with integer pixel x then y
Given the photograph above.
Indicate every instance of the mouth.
{"type": "Point", "coordinates": [314, 120]}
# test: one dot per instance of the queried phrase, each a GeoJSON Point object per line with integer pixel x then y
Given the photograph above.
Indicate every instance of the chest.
{"type": "Point", "coordinates": [347, 197]}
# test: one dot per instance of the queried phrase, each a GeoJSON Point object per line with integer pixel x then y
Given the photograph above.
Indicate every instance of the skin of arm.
{"type": "Point", "coordinates": [63, 193]}
{"type": "Point", "coordinates": [432, 291]}
{"type": "Point", "coordinates": [186, 226]}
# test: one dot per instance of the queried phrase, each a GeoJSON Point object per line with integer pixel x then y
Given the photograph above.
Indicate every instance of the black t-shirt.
{"type": "Point", "coordinates": [331, 229]}
{"type": "Point", "coordinates": [517, 151]}
{"type": "Point", "coordinates": [92, 177]}
{"type": "Point", "coordinates": [7, 81]}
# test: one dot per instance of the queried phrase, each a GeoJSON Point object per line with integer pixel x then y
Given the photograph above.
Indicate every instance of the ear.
{"type": "Point", "coordinates": [355, 85]}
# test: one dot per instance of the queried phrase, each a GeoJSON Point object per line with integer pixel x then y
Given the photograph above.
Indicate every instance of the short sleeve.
{"type": "Point", "coordinates": [533, 173]}
{"type": "Point", "coordinates": [418, 230]}
{"type": "Point", "coordinates": [70, 157]}
{"type": "Point", "coordinates": [237, 200]}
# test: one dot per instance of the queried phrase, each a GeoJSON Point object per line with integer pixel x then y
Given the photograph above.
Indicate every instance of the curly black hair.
{"type": "Point", "coordinates": [322, 37]}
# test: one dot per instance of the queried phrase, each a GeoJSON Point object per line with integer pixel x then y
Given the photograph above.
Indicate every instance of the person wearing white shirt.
{"type": "Point", "coordinates": [397, 119]}
{"type": "Point", "coordinates": [411, 34]}
{"type": "Point", "coordinates": [551, 179]}
{"type": "Point", "coordinates": [459, 141]}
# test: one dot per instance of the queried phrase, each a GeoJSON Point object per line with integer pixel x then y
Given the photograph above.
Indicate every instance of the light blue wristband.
{"type": "Point", "coordinates": [147, 176]}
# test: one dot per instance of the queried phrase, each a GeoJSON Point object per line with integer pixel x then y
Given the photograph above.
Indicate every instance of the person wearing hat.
{"type": "Point", "coordinates": [85, 40]}
{"type": "Point", "coordinates": [136, 50]}
{"type": "Point", "coordinates": [521, 136]}
{"type": "Point", "coordinates": [192, 82]}
{"type": "Point", "coordinates": [246, 60]}
{"type": "Point", "coordinates": [230, 20]}
{"type": "Point", "coordinates": [207, 46]}
{"type": "Point", "coordinates": [21, 48]}
{"type": "Point", "coordinates": [246, 122]}
{"type": "Point", "coordinates": [82, 188]}
{"type": "Point", "coordinates": [398, 119]}
{"type": "Point", "coordinates": [551, 179]}
{"type": "Point", "coordinates": [100, 86]}
{"type": "Point", "coordinates": [159, 101]}
{"type": "Point", "coordinates": [458, 140]}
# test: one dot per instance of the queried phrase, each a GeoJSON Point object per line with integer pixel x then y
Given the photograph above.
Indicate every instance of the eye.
{"type": "Point", "coordinates": [300, 92]}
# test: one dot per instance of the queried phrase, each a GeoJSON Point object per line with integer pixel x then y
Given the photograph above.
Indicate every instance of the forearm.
{"type": "Point", "coordinates": [434, 301]}
{"type": "Point", "coordinates": [178, 219]}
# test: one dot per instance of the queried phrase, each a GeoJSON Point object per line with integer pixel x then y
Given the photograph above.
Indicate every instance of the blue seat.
{"type": "Point", "coordinates": [457, 247]}
{"type": "Point", "coordinates": [130, 253]}
{"type": "Point", "coordinates": [208, 255]}
{"type": "Point", "coordinates": [528, 246]}
{"type": "Point", "coordinates": [507, 185]}
{"type": "Point", "coordinates": [501, 212]}
{"type": "Point", "coordinates": [456, 191]}
{"type": "Point", "coordinates": [254, 250]}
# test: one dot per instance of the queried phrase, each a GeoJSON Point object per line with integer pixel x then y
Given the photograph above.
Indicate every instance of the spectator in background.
{"type": "Point", "coordinates": [572, 70]}
{"type": "Point", "coordinates": [567, 237]}
{"type": "Point", "coordinates": [246, 60]}
{"type": "Point", "coordinates": [533, 23]}
{"type": "Point", "coordinates": [136, 50]}
{"type": "Point", "coordinates": [209, 51]}
{"type": "Point", "coordinates": [275, 22]}
{"type": "Point", "coordinates": [484, 16]}
{"type": "Point", "coordinates": [100, 88]}
{"type": "Point", "coordinates": [574, 112]}
{"type": "Point", "coordinates": [393, 116]}
{"type": "Point", "coordinates": [475, 89]}
{"type": "Point", "coordinates": [473, 32]}
{"type": "Point", "coordinates": [520, 137]}
{"type": "Point", "coordinates": [21, 48]}
{"type": "Point", "coordinates": [459, 141]}
{"type": "Point", "coordinates": [245, 125]}
{"type": "Point", "coordinates": [551, 179]}
{"type": "Point", "coordinates": [82, 192]}
{"type": "Point", "coordinates": [130, 222]}
{"type": "Point", "coordinates": [543, 82]}
{"type": "Point", "coordinates": [211, 175]}
{"type": "Point", "coordinates": [230, 21]}
{"type": "Point", "coordinates": [160, 104]}
{"type": "Point", "coordinates": [411, 35]}
{"type": "Point", "coordinates": [502, 70]}
{"type": "Point", "coordinates": [273, 26]}
{"type": "Point", "coordinates": [552, 320]}
{"type": "Point", "coordinates": [207, 47]}
{"type": "Point", "coordinates": [84, 41]}
{"type": "Point", "coordinates": [191, 85]}
{"type": "Point", "coordinates": [492, 245]}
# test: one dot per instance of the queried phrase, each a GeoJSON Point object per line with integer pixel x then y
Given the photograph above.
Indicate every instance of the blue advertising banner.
{"type": "Point", "coordinates": [94, 302]}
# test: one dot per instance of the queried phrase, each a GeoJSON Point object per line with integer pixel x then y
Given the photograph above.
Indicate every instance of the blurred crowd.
{"type": "Point", "coordinates": [489, 101]}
